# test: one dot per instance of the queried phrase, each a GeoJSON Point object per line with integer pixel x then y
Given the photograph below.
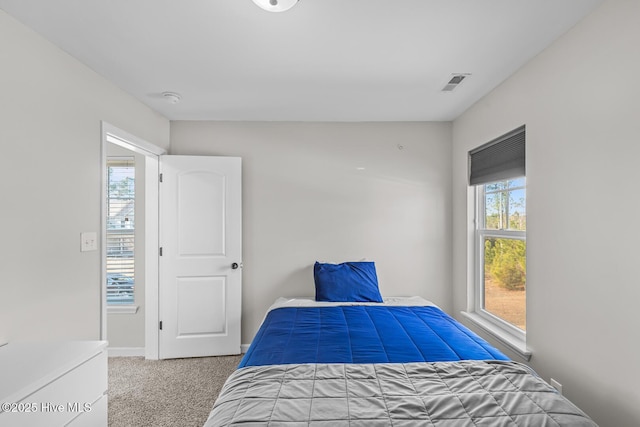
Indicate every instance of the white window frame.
{"type": "Point", "coordinates": [152, 153]}
{"type": "Point", "coordinates": [510, 335]}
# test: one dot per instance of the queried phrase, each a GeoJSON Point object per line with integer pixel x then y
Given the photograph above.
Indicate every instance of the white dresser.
{"type": "Point", "coordinates": [53, 384]}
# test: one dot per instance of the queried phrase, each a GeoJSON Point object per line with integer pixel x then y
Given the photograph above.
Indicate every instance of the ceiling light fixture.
{"type": "Point", "coordinates": [276, 5]}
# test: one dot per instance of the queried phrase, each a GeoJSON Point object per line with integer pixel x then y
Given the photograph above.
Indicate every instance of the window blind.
{"type": "Point", "coordinates": [502, 158]}
{"type": "Point", "coordinates": [120, 230]}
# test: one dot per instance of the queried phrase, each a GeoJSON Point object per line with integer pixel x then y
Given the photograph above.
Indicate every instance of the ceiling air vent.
{"type": "Point", "coordinates": [454, 82]}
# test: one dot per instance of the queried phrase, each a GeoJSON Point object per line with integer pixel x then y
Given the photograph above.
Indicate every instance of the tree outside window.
{"type": "Point", "coordinates": [502, 236]}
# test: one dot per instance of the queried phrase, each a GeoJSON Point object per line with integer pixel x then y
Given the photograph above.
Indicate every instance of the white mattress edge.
{"type": "Point", "coordinates": [311, 302]}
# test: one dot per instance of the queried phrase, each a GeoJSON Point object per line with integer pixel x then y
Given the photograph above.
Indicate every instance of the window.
{"type": "Point", "coordinates": [501, 251]}
{"type": "Point", "coordinates": [498, 292]}
{"type": "Point", "coordinates": [120, 230]}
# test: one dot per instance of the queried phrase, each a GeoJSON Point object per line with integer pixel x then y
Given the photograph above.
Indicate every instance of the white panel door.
{"type": "Point", "coordinates": [201, 241]}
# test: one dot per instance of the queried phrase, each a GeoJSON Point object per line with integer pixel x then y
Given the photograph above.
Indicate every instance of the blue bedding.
{"type": "Point", "coordinates": [364, 334]}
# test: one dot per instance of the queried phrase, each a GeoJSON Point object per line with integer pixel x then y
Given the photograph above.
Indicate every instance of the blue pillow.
{"type": "Point", "coordinates": [348, 281]}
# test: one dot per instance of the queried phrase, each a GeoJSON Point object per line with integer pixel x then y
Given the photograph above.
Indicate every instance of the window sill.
{"type": "Point", "coordinates": [122, 309]}
{"type": "Point", "coordinates": [514, 343]}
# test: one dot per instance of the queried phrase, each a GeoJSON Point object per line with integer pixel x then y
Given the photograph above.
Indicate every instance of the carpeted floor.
{"type": "Point", "coordinates": [165, 393]}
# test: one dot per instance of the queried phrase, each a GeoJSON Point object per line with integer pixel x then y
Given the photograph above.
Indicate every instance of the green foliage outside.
{"type": "Point", "coordinates": [505, 209]}
{"type": "Point", "coordinates": [506, 262]}
{"type": "Point", "coordinates": [123, 188]}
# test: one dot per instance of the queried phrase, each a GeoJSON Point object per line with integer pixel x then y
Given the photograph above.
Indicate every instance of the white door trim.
{"type": "Point", "coordinates": [152, 153]}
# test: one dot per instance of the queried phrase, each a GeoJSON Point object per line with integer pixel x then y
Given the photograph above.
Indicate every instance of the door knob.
{"type": "Point", "coordinates": [234, 265]}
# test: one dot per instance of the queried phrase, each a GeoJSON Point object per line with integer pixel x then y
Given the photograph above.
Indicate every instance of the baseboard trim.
{"type": "Point", "coordinates": [125, 351]}
{"type": "Point", "coordinates": [139, 351]}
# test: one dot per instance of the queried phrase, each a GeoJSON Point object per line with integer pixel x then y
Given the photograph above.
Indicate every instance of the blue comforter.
{"type": "Point", "coordinates": [364, 334]}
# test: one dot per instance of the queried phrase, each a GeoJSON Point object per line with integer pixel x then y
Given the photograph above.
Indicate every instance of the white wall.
{"type": "Point", "coordinates": [50, 112]}
{"type": "Point", "coordinates": [579, 101]}
{"type": "Point", "coordinates": [304, 200]}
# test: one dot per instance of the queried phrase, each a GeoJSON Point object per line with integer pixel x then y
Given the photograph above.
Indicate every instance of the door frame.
{"type": "Point", "coordinates": [152, 153]}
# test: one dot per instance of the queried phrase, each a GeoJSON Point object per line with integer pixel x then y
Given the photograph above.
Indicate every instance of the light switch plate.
{"type": "Point", "coordinates": [88, 241]}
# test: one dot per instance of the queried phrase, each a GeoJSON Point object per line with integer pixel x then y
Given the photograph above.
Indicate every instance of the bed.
{"type": "Point", "coordinates": [361, 360]}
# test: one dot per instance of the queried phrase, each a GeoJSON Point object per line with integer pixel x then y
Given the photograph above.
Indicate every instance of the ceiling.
{"type": "Point", "coordinates": [323, 60]}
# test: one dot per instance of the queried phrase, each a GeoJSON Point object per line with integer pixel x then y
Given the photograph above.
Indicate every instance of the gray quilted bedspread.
{"type": "Point", "coordinates": [467, 393]}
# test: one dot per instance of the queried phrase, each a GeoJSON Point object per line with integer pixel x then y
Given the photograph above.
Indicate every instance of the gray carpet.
{"type": "Point", "coordinates": [165, 393]}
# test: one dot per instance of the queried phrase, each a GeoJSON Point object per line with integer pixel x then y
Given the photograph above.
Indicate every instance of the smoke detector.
{"type": "Point", "coordinates": [454, 81]}
{"type": "Point", "coordinates": [171, 97]}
